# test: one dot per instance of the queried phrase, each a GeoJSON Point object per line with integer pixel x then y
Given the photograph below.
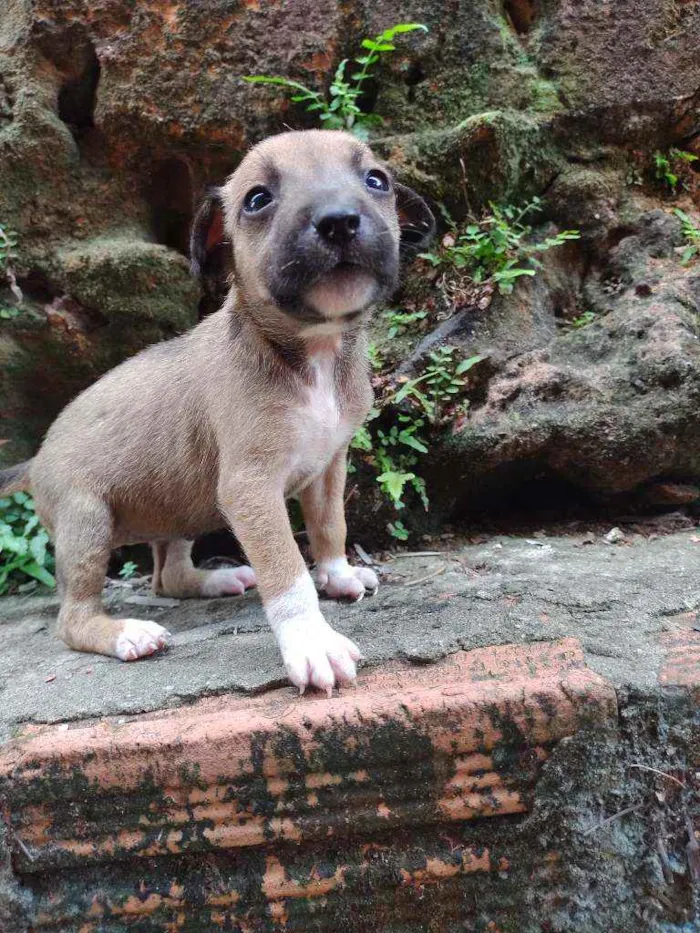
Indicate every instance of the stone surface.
{"type": "Point", "coordinates": [682, 665]}
{"type": "Point", "coordinates": [592, 835]}
{"type": "Point", "coordinates": [617, 600]}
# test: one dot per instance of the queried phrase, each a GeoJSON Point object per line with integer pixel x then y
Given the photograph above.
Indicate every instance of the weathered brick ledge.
{"type": "Point", "coordinates": [109, 824]}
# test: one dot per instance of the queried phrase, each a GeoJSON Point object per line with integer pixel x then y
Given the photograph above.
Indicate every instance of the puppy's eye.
{"type": "Point", "coordinates": [377, 180]}
{"type": "Point", "coordinates": [256, 199]}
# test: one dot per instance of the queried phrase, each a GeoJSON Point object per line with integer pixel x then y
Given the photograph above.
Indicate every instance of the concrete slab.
{"type": "Point", "coordinates": [617, 599]}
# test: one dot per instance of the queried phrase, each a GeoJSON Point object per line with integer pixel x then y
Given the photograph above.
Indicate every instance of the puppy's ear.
{"type": "Point", "coordinates": [416, 221]}
{"type": "Point", "coordinates": [210, 250]}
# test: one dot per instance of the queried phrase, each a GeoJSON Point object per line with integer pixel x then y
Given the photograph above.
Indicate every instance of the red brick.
{"type": "Point", "coordinates": [409, 747]}
{"type": "Point", "coordinates": [681, 666]}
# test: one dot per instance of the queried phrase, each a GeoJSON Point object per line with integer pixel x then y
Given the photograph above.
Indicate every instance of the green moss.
{"type": "Point", "coordinates": [498, 155]}
{"type": "Point", "coordinates": [122, 278]}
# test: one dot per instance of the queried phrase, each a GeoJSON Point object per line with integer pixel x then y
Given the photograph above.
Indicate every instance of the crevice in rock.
{"type": "Point", "coordinates": [414, 76]}
{"type": "Point", "coordinates": [7, 102]}
{"type": "Point", "coordinates": [521, 14]}
{"type": "Point", "coordinates": [78, 95]}
{"type": "Point", "coordinates": [35, 285]}
{"type": "Point", "coordinates": [170, 197]}
{"type": "Point", "coordinates": [368, 99]}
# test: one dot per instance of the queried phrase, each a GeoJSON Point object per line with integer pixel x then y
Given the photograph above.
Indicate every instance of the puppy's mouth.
{"type": "Point", "coordinates": [343, 291]}
{"type": "Point", "coordinates": [317, 281]}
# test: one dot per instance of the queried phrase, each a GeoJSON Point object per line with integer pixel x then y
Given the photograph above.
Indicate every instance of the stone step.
{"type": "Point", "coordinates": [254, 813]}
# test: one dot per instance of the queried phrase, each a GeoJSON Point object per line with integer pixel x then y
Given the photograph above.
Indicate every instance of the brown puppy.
{"type": "Point", "coordinates": [256, 404]}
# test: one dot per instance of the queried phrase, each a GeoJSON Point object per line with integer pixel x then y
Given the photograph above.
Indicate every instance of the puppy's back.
{"type": "Point", "coordinates": [140, 432]}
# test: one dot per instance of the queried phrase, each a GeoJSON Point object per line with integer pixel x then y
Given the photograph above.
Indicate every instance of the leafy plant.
{"type": "Point", "coordinates": [8, 253]}
{"type": "Point", "coordinates": [667, 166]}
{"type": "Point", "coordinates": [401, 321]}
{"type": "Point", "coordinates": [398, 530]}
{"type": "Point", "coordinates": [442, 380]}
{"type": "Point", "coordinates": [583, 319]}
{"type": "Point", "coordinates": [341, 109]}
{"type": "Point", "coordinates": [375, 357]}
{"type": "Point", "coordinates": [24, 544]}
{"type": "Point", "coordinates": [128, 570]}
{"type": "Point", "coordinates": [496, 248]}
{"type": "Point", "coordinates": [8, 311]}
{"type": "Point", "coordinates": [394, 443]}
{"type": "Point", "coordinates": [691, 232]}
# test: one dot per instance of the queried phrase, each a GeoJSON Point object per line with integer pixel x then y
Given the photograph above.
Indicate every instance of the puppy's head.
{"type": "Point", "coordinates": [317, 226]}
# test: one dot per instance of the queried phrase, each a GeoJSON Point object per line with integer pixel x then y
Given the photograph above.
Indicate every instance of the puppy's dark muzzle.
{"type": "Point", "coordinates": [336, 233]}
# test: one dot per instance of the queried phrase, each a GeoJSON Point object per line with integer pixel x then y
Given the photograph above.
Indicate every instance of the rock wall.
{"type": "Point", "coordinates": [114, 115]}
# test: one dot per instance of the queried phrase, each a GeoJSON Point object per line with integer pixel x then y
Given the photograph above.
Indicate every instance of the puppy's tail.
{"type": "Point", "coordinates": [15, 478]}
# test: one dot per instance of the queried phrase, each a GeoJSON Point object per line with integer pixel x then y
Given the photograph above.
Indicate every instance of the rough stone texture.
{"type": "Point", "coordinates": [604, 845]}
{"type": "Point", "coordinates": [114, 115]}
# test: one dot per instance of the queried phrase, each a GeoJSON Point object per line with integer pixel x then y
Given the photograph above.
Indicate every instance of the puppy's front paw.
{"type": "Point", "coordinates": [315, 655]}
{"type": "Point", "coordinates": [228, 581]}
{"type": "Point", "coordinates": [337, 579]}
{"type": "Point", "coordinates": [139, 638]}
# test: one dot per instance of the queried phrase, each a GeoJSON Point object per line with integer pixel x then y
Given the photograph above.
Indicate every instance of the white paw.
{"type": "Point", "coordinates": [339, 580]}
{"type": "Point", "coordinates": [315, 655]}
{"type": "Point", "coordinates": [228, 581]}
{"type": "Point", "coordinates": [139, 638]}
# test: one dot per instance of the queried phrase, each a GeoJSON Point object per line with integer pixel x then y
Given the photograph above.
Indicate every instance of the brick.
{"type": "Point", "coordinates": [409, 748]}
{"type": "Point", "coordinates": [681, 667]}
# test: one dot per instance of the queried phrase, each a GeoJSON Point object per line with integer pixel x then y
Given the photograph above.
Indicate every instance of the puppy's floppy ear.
{"type": "Point", "coordinates": [210, 250]}
{"type": "Point", "coordinates": [207, 231]}
{"type": "Point", "coordinates": [416, 221]}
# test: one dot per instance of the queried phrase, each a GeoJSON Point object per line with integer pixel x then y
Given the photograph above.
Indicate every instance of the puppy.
{"type": "Point", "coordinates": [254, 405]}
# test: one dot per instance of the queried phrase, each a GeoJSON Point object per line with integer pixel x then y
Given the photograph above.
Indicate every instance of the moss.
{"type": "Point", "coordinates": [123, 277]}
{"type": "Point", "coordinates": [498, 155]}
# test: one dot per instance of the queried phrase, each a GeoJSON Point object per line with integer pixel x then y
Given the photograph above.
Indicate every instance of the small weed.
{"type": "Point", "coordinates": [691, 232]}
{"type": "Point", "coordinates": [8, 311]}
{"type": "Point", "coordinates": [441, 381]}
{"type": "Point", "coordinates": [634, 176]}
{"type": "Point", "coordinates": [128, 570]}
{"type": "Point", "coordinates": [496, 248]}
{"type": "Point", "coordinates": [8, 253]}
{"type": "Point", "coordinates": [583, 319]}
{"type": "Point", "coordinates": [24, 544]}
{"type": "Point", "coordinates": [341, 110]}
{"type": "Point", "coordinates": [413, 407]}
{"type": "Point", "coordinates": [398, 530]}
{"type": "Point", "coordinates": [401, 321]}
{"type": "Point", "coordinates": [375, 357]}
{"type": "Point", "coordinates": [667, 167]}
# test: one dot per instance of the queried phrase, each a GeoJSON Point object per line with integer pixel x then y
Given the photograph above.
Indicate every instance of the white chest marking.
{"type": "Point", "coordinates": [321, 427]}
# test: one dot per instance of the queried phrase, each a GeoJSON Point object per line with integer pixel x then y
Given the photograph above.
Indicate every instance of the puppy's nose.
{"type": "Point", "coordinates": [337, 226]}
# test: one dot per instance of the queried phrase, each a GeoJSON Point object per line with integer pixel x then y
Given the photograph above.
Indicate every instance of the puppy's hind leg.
{"type": "Point", "coordinates": [83, 542]}
{"type": "Point", "coordinates": [175, 574]}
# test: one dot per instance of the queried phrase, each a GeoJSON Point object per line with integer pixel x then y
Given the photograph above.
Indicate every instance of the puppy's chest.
{"type": "Point", "coordinates": [323, 424]}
